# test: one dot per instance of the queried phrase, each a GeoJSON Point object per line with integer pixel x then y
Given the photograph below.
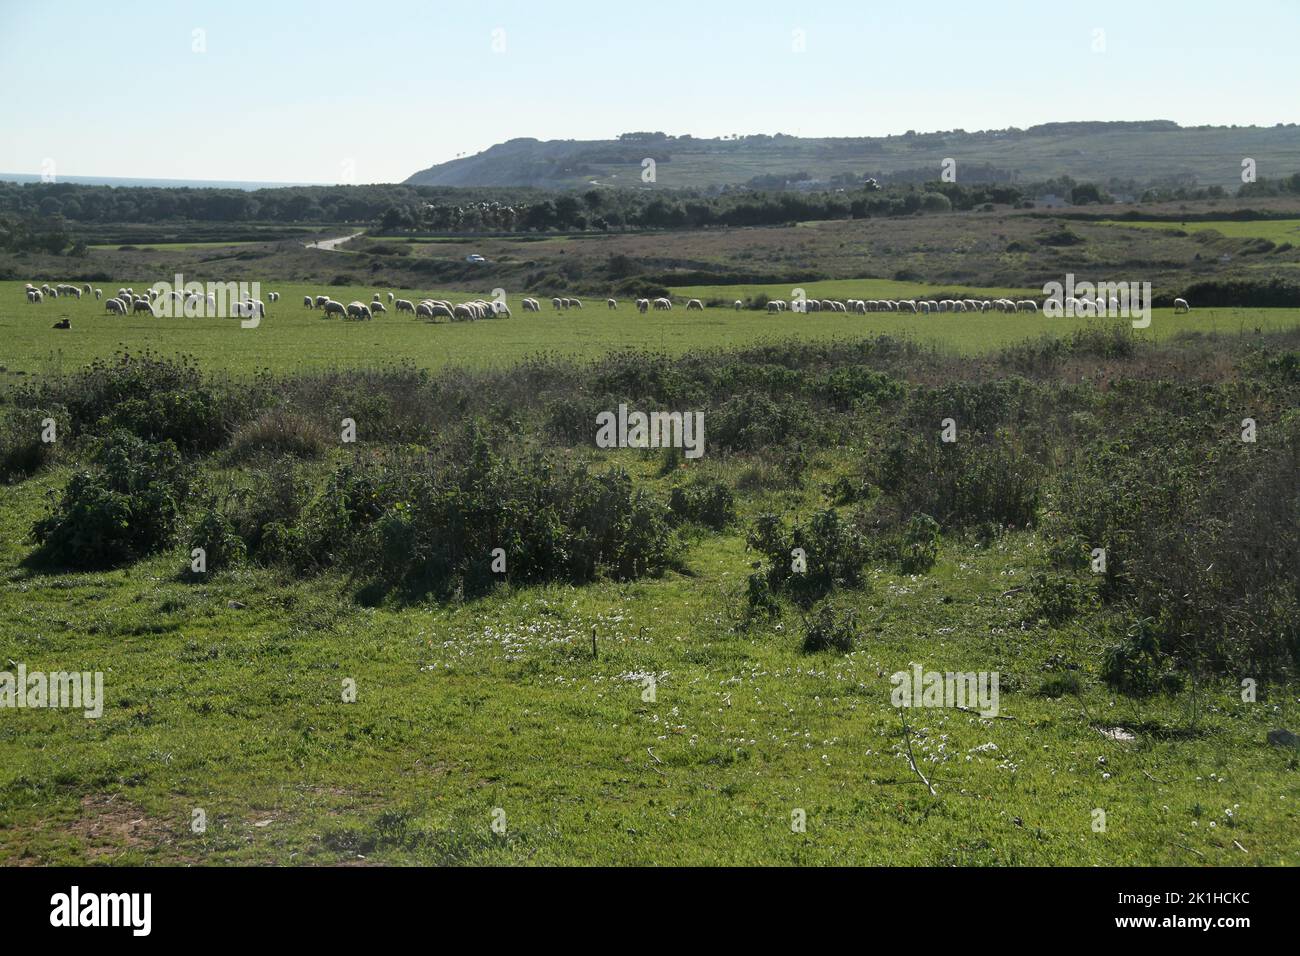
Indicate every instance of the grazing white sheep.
{"type": "Point", "coordinates": [273, 296]}
{"type": "Point", "coordinates": [1180, 306]}
{"type": "Point", "coordinates": [359, 311]}
{"type": "Point", "coordinates": [330, 307]}
{"type": "Point", "coordinates": [441, 308]}
{"type": "Point", "coordinates": [422, 311]}
{"type": "Point", "coordinates": [738, 305]}
{"type": "Point", "coordinates": [558, 303]}
{"type": "Point", "coordinates": [663, 304]}
{"type": "Point", "coordinates": [377, 306]}
{"type": "Point", "coordinates": [694, 304]}
{"type": "Point", "coordinates": [643, 305]}
{"type": "Point", "coordinates": [308, 301]}
{"type": "Point", "coordinates": [1026, 305]}
{"type": "Point", "coordinates": [321, 300]}
{"type": "Point", "coordinates": [115, 306]}
{"type": "Point", "coordinates": [144, 305]}
{"type": "Point", "coordinates": [611, 303]}
{"type": "Point", "coordinates": [404, 305]}
{"type": "Point", "coordinates": [501, 310]}
{"type": "Point", "coordinates": [773, 307]}
{"type": "Point", "coordinates": [390, 298]}
{"type": "Point", "coordinates": [462, 313]}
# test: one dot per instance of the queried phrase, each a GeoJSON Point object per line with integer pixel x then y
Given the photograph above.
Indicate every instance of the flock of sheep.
{"type": "Point", "coordinates": [127, 301]}
{"type": "Point", "coordinates": [915, 306]}
{"type": "Point", "coordinates": [928, 306]}
{"type": "Point", "coordinates": [430, 309]}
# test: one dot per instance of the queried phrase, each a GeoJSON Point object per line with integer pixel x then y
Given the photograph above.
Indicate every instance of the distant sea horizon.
{"type": "Point", "coordinates": [122, 181]}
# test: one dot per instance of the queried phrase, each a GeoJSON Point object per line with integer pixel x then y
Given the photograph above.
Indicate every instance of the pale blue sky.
{"type": "Point", "coordinates": [293, 91]}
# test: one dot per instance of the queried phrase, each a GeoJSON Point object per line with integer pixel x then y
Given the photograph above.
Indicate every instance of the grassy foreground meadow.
{"type": "Point", "coordinates": [292, 336]}
{"type": "Point", "coordinates": [703, 727]}
{"type": "Point", "coordinates": [226, 698]}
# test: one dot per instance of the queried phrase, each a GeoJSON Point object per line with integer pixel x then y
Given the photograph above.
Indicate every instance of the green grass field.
{"type": "Point", "coordinates": [294, 337]}
{"type": "Point", "coordinates": [227, 697]}
{"type": "Point", "coordinates": [1277, 230]}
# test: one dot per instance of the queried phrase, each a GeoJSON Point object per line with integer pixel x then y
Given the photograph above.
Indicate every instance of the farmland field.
{"type": "Point", "coordinates": [224, 691]}
{"type": "Point", "coordinates": [720, 700]}
{"type": "Point", "coordinates": [292, 336]}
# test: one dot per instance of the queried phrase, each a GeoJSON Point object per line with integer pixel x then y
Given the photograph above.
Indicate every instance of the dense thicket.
{"type": "Point", "coordinates": [1139, 452]}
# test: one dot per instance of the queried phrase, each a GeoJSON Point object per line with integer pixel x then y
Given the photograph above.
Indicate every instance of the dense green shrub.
{"type": "Point", "coordinates": [706, 501]}
{"type": "Point", "coordinates": [855, 386]}
{"type": "Point", "coordinates": [1201, 537]}
{"type": "Point", "coordinates": [265, 513]}
{"type": "Point", "coordinates": [752, 422]}
{"type": "Point", "coordinates": [919, 548]}
{"type": "Point", "coordinates": [1057, 596]}
{"type": "Point", "coordinates": [419, 524]}
{"type": "Point", "coordinates": [222, 546]}
{"type": "Point", "coordinates": [807, 561]}
{"type": "Point", "coordinates": [154, 398]}
{"type": "Point", "coordinates": [23, 450]}
{"type": "Point", "coordinates": [1135, 664]}
{"type": "Point", "coordinates": [830, 628]}
{"type": "Point", "coordinates": [128, 506]}
{"type": "Point", "coordinates": [978, 479]}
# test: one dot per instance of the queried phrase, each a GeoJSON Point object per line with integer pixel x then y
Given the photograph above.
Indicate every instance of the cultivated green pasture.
{"type": "Point", "coordinates": [855, 289]}
{"type": "Point", "coordinates": [292, 336]}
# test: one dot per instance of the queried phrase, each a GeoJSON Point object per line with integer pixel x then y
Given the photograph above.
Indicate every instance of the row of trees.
{"type": "Point", "coordinates": [44, 216]}
{"type": "Point", "coordinates": [149, 204]}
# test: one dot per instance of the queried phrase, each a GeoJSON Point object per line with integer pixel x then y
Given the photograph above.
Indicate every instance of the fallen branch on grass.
{"type": "Point", "coordinates": [907, 739]}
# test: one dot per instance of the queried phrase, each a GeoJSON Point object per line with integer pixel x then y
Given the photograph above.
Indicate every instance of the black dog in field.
{"type": "Point", "coordinates": [63, 324]}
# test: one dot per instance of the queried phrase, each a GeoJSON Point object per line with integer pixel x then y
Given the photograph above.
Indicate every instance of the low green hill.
{"type": "Point", "coordinates": [1145, 152]}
